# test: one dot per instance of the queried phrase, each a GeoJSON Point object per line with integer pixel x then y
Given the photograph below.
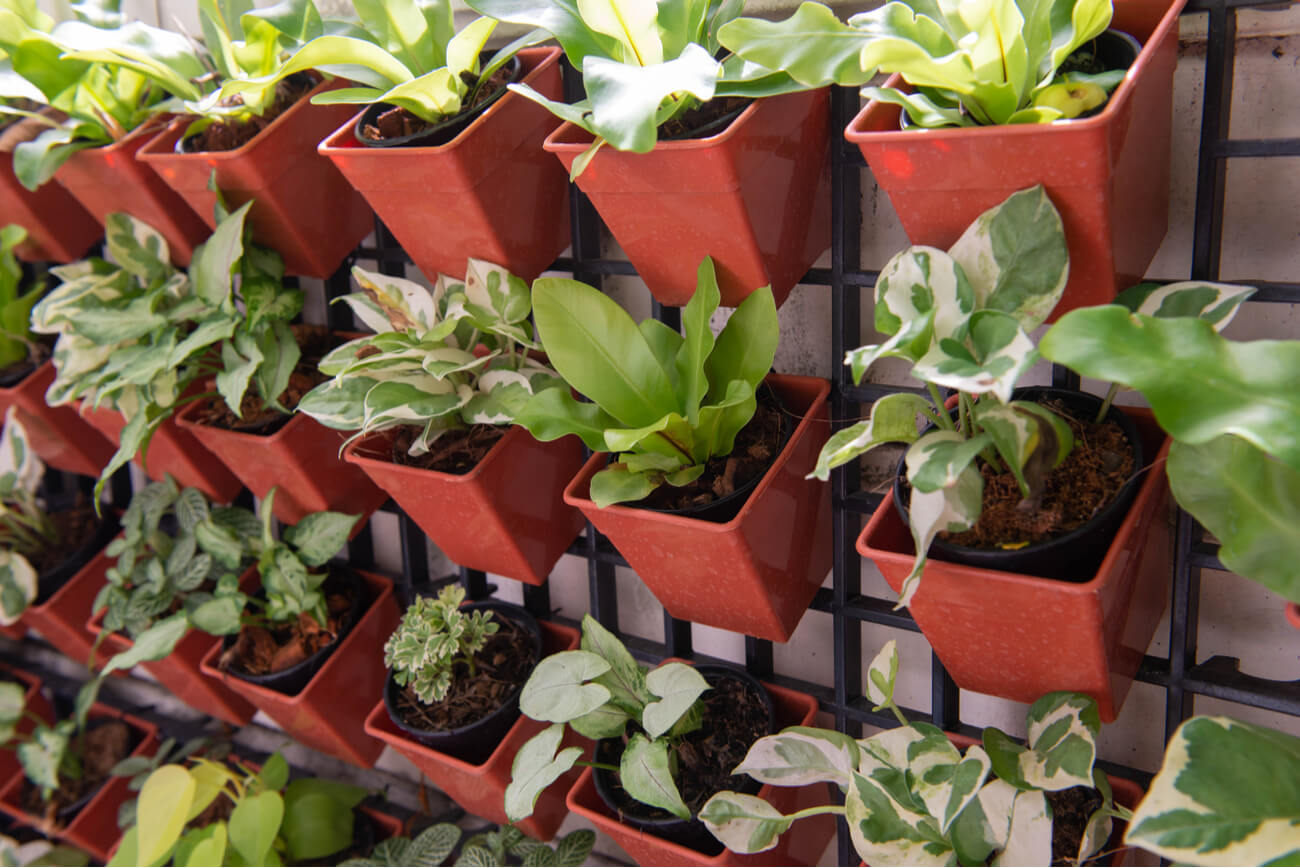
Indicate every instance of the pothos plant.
{"type": "Point", "coordinates": [961, 318]}
{"type": "Point", "coordinates": [48, 751]}
{"type": "Point", "coordinates": [442, 359]}
{"type": "Point", "coordinates": [912, 798]}
{"type": "Point", "coordinates": [432, 637]}
{"type": "Point", "coordinates": [663, 403]}
{"type": "Point", "coordinates": [136, 334]}
{"type": "Point", "coordinates": [643, 63]}
{"type": "Point", "coordinates": [969, 64]}
{"type": "Point", "coordinates": [17, 343]}
{"type": "Point", "coordinates": [602, 692]}
{"type": "Point", "coordinates": [25, 529]}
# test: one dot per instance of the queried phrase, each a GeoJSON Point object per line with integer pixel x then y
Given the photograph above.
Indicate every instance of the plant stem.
{"type": "Point", "coordinates": [1105, 405]}
{"type": "Point", "coordinates": [595, 765]}
{"type": "Point", "coordinates": [815, 811]}
{"type": "Point", "coordinates": [944, 420]}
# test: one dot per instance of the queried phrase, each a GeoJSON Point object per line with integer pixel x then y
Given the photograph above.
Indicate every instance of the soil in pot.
{"type": "Point", "coordinates": [80, 535]}
{"type": "Point", "coordinates": [1071, 810]}
{"type": "Point", "coordinates": [229, 135]}
{"type": "Point", "coordinates": [392, 125]}
{"type": "Point", "coordinates": [458, 451]}
{"type": "Point", "coordinates": [705, 120]}
{"type": "Point", "coordinates": [104, 745]}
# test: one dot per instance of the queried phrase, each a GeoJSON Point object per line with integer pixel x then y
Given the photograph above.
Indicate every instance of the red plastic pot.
{"type": "Point", "coordinates": [755, 574]}
{"type": "Point", "coordinates": [61, 619]}
{"type": "Point", "coordinates": [58, 228]}
{"type": "Point", "coordinates": [755, 197]}
{"type": "Point", "coordinates": [33, 701]}
{"type": "Point", "coordinates": [175, 451]}
{"type": "Point", "coordinates": [111, 178]}
{"type": "Point", "coordinates": [1018, 636]}
{"type": "Point", "coordinates": [58, 434]}
{"type": "Point", "coordinates": [302, 459]}
{"type": "Point", "coordinates": [481, 789]}
{"type": "Point", "coordinates": [304, 208]}
{"type": "Point", "coordinates": [507, 516]}
{"type": "Point", "coordinates": [803, 844]}
{"type": "Point", "coordinates": [329, 714]}
{"type": "Point", "coordinates": [1108, 175]}
{"type": "Point", "coordinates": [94, 829]}
{"type": "Point", "coordinates": [490, 193]}
{"type": "Point", "coordinates": [1293, 614]}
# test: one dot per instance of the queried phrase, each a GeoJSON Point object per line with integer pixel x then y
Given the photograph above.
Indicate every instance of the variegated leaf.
{"type": "Point", "coordinates": [1031, 439]}
{"type": "Point", "coordinates": [801, 755]}
{"type": "Point", "coordinates": [920, 280]}
{"type": "Point", "coordinates": [884, 757]}
{"type": "Point", "coordinates": [997, 354]}
{"type": "Point", "coordinates": [954, 509]}
{"type": "Point", "coordinates": [1030, 838]}
{"type": "Point", "coordinates": [981, 829]}
{"type": "Point", "coordinates": [413, 398]}
{"type": "Point", "coordinates": [21, 471]}
{"type": "Point", "coordinates": [1095, 834]}
{"type": "Point", "coordinates": [932, 763]}
{"type": "Point", "coordinates": [18, 581]}
{"type": "Point", "coordinates": [446, 361]}
{"type": "Point", "coordinates": [910, 342]}
{"type": "Point", "coordinates": [745, 824]}
{"type": "Point", "coordinates": [338, 404]}
{"type": "Point", "coordinates": [1062, 739]}
{"type": "Point", "coordinates": [645, 773]}
{"type": "Point", "coordinates": [403, 303]}
{"type": "Point", "coordinates": [137, 247]}
{"type": "Point", "coordinates": [494, 288]}
{"type": "Point", "coordinates": [893, 420]}
{"type": "Point", "coordinates": [886, 833]}
{"type": "Point", "coordinates": [940, 457]}
{"type": "Point", "coordinates": [536, 766]}
{"type": "Point", "coordinates": [968, 778]}
{"type": "Point", "coordinates": [1216, 303]}
{"type": "Point", "coordinates": [882, 674]}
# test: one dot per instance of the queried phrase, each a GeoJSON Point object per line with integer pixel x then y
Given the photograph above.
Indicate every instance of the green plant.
{"type": "Point", "coordinates": [911, 798]}
{"type": "Point", "coordinates": [17, 343]}
{"type": "Point", "coordinates": [962, 319]}
{"type": "Point", "coordinates": [598, 691]}
{"type": "Point", "coordinates": [664, 402]}
{"type": "Point", "coordinates": [433, 636]}
{"type": "Point", "coordinates": [1228, 406]}
{"type": "Point", "coordinates": [435, 844]}
{"type": "Point", "coordinates": [138, 335]}
{"type": "Point", "coordinates": [969, 64]}
{"type": "Point", "coordinates": [273, 819]}
{"type": "Point", "coordinates": [405, 53]}
{"type": "Point", "coordinates": [49, 751]}
{"type": "Point", "coordinates": [422, 368]}
{"type": "Point", "coordinates": [25, 529]}
{"type": "Point", "coordinates": [1228, 793]}
{"type": "Point", "coordinates": [40, 853]}
{"type": "Point", "coordinates": [642, 63]}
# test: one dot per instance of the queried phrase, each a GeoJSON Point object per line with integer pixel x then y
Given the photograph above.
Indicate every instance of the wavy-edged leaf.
{"type": "Point", "coordinates": [812, 45]}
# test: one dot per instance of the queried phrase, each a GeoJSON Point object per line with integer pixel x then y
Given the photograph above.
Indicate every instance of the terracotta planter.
{"type": "Point", "coordinates": [1019, 637]}
{"type": "Point", "coordinates": [329, 713]}
{"type": "Point", "coordinates": [111, 178]}
{"type": "Point", "coordinates": [802, 845]}
{"type": "Point", "coordinates": [94, 829]}
{"type": "Point", "coordinates": [58, 434]}
{"type": "Point", "coordinates": [175, 451]}
{"type": "Point", "coordinates": [506, 516]}
{"type": "Point", "coordinates": [1108, 175]}
{"type": "Point", "coordinates": [755, 574]}
{"type": "Point", "coordinates": [33, 701]}
{"type": "Point", "coordinates": [302, 459]}
{"type": "Point", "coordinates": [61, 620]}
{"type": "Point", "coordinates": [480, 788]}
{"type": "Point", "coordinates": [489, 193]}
{"type": "Point", "coordinates": [755, 197]}
{"type": "Point", "coordinates": [304, 209]}
{"type": "Point", "coordinates": [58, 228]}
{"type": "Point", "coordinates": [1293, 614]}
{"type": "Point", "coordinates": [179, 672]}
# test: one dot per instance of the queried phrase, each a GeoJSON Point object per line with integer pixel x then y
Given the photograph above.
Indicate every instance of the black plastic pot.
{"type": "Point", "coordinates": [1072, 557]}
{"type": "Point", "coordinates": [69, 812]}
{"type": "Point", "coordinates": [293, 679]}
{"type": "Point", "coordinates": [688, 833]}
{"type": "Point", "coordinates": [307, 79]}
{"type": "Point", "coordinates": [710, 129]}
{"type": "Point", "coordinates": [475, 742]}
{"type": "Point", "coordinates": [51, 581]}
{"type": "Point", "coordinates": [441, 132]}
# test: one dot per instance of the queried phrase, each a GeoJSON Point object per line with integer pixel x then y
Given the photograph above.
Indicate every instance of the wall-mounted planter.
{"type": "Point", "coordinates": [1108, 175]}
{"type": "Point", "coordinates": [1293, 614]}
{"type": "Point", "coordinates": [58, 228]}
{"type": "Point", "coordinates": [754, 197]}
{"type": "Point", "coordinates": [302, 459]}
{"type": "Point", "coordinates": [94, 828]}
{"type": "Point", "coordinates": [803, 844]}
{"type": "Point", "coordinates": [33, 701]}
{"type": "Point", "coordinates": [58, 434]}
{"type": "Point", "coordinates": [755, 574]}
{"type": "Point", "coordinates": [480, 788]}
{"type": "Point", "coordinates": [304, 208]}
{"type": "Point", "coordinates": [507, 516]}
{"type": "Point", "coordinates": [111, 178]}
{"type": "Point", "coordinates": [490, 193]}
{"type": "Point", "coordinates": [1018, 636]}
{"type": "Point", "coordinates": [175, 451]}
{"type": "Point", "coordinates": [329, 714]}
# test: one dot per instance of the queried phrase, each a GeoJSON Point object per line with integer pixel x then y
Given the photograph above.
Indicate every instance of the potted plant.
{"type": "Point", "coordinates": [470, 762]}
{"type": "Point", "coordinates": [308, 641]}
{"type": "Point", "coordinates": [67, 789]}
{"type": "Point", "coordinates": [911, 796]}
{"type": "Point", "coordinates": [744, 182]}
{"type": "Point", "coordinates": [109, 110]}
{"type": "Point", "coordinates": [261, 142]}
{"type": "Point", "coordinates": [677, 423]}
{"type": "Point", "coordinates": [57, 434]}
{"type": "Point", "coordinates": [230, 813]}
{"type": "Point", "coordinates": [432, 395]}
{"type": "Point", "coordinates": [502, 846]}
{"type": "Point", "coordinates": [987, 118]}
{"type": "Point", "coordinates": [58, 228]}
{"type": "Point", "coordinates": [1000, 477]}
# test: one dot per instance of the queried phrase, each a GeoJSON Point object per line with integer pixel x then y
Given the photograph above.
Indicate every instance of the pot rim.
{"type": "Point", "coordinates": [353, 455]}
{"type": "Point", "coordinates": [560, 140]}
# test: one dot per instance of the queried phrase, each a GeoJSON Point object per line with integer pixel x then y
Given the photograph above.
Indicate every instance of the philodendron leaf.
{"type": "Point", "coordinates": [1216, 303]}
{"type": "Point", "coordinates": [1249, 501]}
{"type": "Point", "coordinates": [746, 824]}
{"type": "Point", "coordinates": [559, 689]}
{"type": "Point", "coordinates": [1199, 384]}
{"type": "Point", "coordinates": [801, 755]}
{"type": "Point", "coordinates": [938, 459]}
{"type": "Point", "coordinates": [1015, 257]}
{"type": "Point", "coordinates": [607, 721]}
{"type": "Point", "coordinates": [625, 678]}
{"type": "Point", "coordinates": [981, 829]}
{"type": "Point", "coordinates": [536, 766]}
{"type": "Point", "coordinates": [885, 832]}
{"type": "Point", "coordinates": [678, 686]}
{"type": "Point", "coordinates": [968, 777]}
{"type": "Point", "coordinates": [954, 509]}
{"type": "Point", "coordinates": [254, 824]}
{"type": "Point", "coordinates": [1062, 740]}
{"type": "Point", "coordinates": [161, 811]}
{"type": "Point", "coordinates": [1030, 838]}
{"type": "Point", "coordinates": [1031, 439]}
{"type": "Point", "coordinates": [1228, 793]}
{"type": "Point", "coordinates": [812, 45]}
{"type": "Point", "coordinates": [892, 420]}
{"type": "Point", "coordinates": [920, 280]}
{"type": "Point", "coordinates": [645, 774]}
{"type": "Point", "coordinates": [882, 675]}
{"type": "Point", "coordinates": [910, 342]}
{"type": "Point", "coordinates": [999, 352]}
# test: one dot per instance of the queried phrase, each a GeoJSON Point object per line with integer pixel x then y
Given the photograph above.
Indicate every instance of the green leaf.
{"type": "Point", "coordinates": [692, 384]}
{"type": "Point", "coordinates": [625, 98]}
{"type": "Point", "coordinates": [153, 644]}
{"type": "Point", "coordinates": [575, 848]}
{"type": "Point", "coordinates": [161, 811]}
{"type": "Point", "coordinates": [206, 846]}
{"type": "Point", "coordinates": [953, 508]}
{"type": "Point", "coordinates": [275, 772]}
{"type": "Point", "coordinates": [618, 483]}
{"type": "Point", "coordinates": [320, 536]}
{"type": "Point", "coordinates": [885, 832]}
{"type": "Point", "coordinates": [920, 281]}
{"type": "Point", "coordinates": [536, 766]}
{"type": "Point", "coordinates": [559, 17]}
{"type": "Point", "coordinates": [216, 261]}
{"type": "Point", "coordinates": [745, 347]}
{"type": "Point", "coordinates": [892, 420]}
{"type": "Point", "coordinates": [678, 686]}
{"type": "Point", "coordinates": [1216, 303]}
{"type": "Point", "coordinates": [625, 679]}
{"type": "Point", "coordinates": [744, 823]}
{"type": "Point", "coordinates": [559, 690]}
{"type": "Point", "coordinates": [800, 755]}
{"type": "Point", "coordinates": [316, 824]}
{"type": "Point", "coordinates": [812, 45]}
{"type": "Point", "coordinates": [645, 774]}
{"type": "Point", "coordinates": [254, 824]}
